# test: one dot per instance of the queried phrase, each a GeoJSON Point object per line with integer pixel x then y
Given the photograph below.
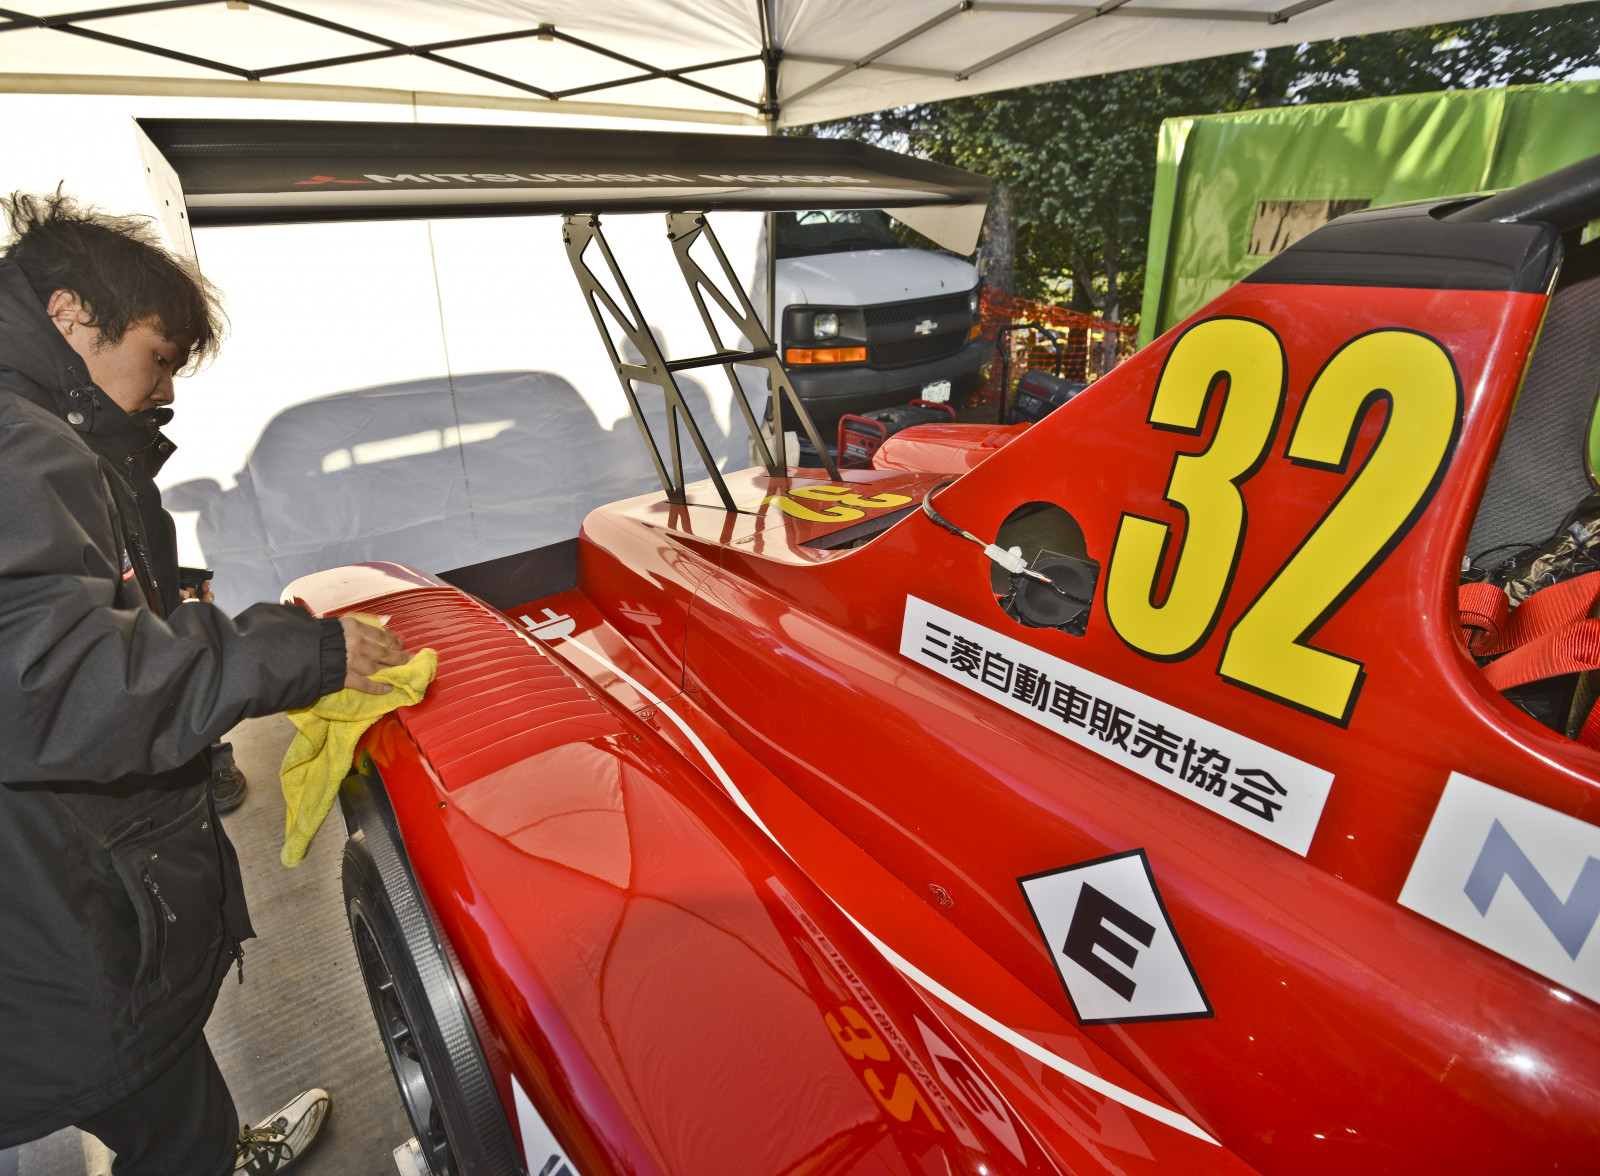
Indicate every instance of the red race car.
{"type": "Point", "coordinates": [1152, 796]}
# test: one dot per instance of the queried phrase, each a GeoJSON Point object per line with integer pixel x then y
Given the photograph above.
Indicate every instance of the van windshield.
{"type": "Point", "coordinates": [800, 234]}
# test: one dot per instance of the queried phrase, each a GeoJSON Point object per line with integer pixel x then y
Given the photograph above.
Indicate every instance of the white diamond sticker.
{"type": "Point", "coordinates": [1112, 943]}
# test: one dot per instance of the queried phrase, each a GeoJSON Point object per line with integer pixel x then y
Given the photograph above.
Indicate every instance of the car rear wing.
{"type": "Point", "coordinates": [260, 171]}
{"type": "Point", "coordinates": [211, 172]}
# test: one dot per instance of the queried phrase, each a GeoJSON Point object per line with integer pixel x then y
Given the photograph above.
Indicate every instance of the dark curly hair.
{"type": "Point", "coordinates": [117, 267]}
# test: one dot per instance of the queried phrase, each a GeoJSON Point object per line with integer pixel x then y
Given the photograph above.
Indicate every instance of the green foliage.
{"type": "Point", "coordinates": [1079, 155]}
{"type": "Point", "coordinates": [1513, 49]}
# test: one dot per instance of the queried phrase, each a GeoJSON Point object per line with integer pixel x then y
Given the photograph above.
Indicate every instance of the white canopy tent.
{"type": "Point", "coordinates": [432, 391]}
{"type": "Point", "coordinates": [716, 61]}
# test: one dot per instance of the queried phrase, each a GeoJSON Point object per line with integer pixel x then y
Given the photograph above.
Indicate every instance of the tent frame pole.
{"type": "Point", "coordinates": [75, 24]}
{"type": "Point", "coordinates": [1076, 15]}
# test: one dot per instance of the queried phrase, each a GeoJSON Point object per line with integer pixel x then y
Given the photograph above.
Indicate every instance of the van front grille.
{"type": "Point", "coordinates": [909, 312]}
{"type": "Point", "coordinates": [908, 351]}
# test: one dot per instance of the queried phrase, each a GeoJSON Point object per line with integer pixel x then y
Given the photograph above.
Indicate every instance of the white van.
{"type": "Point", "coordinates": [865, 322]}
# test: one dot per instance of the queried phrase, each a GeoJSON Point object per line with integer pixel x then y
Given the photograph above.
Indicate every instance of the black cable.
{"type": "Point", "coordinates": [993, 550]}
{"type": "Point", "coordinates": [939, 519]}
{"type": "Point", "coordinates": [1502, 546]}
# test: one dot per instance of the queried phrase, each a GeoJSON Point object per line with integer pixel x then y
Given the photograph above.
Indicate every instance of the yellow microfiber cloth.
{"type": "Point", "coordinates": [319, 758]}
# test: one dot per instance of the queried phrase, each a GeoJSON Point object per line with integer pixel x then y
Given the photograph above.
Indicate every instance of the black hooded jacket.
{"type": "Point", "coordinates": [120, 896]}
{"type": "Point", "coordinates": [136, 448]}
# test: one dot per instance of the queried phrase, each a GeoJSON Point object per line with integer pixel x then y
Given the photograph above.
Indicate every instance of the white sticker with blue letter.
{"type": "Point", "coordinates": [1515, 876]}
{"type": "Point", "coordinates": [541, 1151]}
{"type": "Point", "coordinates": [1249, 783]}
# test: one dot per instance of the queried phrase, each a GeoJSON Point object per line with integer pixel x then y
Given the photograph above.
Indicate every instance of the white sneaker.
{"type": "Point", "coordinates": [280, 1139]}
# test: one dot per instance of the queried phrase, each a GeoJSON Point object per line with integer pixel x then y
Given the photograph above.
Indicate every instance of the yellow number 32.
{"type": "Point", "coordinates": [1268, 649]}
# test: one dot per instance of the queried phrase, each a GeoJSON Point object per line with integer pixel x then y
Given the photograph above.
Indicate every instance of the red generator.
{"type": "Point", "coordinates": [860, 437]}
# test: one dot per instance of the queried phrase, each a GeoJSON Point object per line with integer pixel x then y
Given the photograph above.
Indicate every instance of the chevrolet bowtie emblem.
{"type": "Point", "coordinates": [925, 327]}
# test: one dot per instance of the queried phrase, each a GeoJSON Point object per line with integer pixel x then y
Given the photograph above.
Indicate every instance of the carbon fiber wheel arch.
{"type": "Point", "coordinates": [457, 1074]}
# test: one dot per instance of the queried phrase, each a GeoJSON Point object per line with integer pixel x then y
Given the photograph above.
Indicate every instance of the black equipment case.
{"type": "Point", "coordinates": [1039, 394]}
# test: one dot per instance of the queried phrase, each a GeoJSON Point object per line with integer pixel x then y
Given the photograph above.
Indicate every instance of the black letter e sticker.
{"type": "Point", "coordinates": [1120, 958]}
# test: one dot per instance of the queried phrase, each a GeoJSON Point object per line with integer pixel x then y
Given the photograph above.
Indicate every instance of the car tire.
{"type": "Point", "coordinates": [445, 1084]}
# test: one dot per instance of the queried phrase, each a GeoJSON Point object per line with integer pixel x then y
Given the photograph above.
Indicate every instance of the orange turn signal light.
{"type": "Point", "coordinates": [977, 329]}
{"type": "Point", "coordinates": [825, 355]}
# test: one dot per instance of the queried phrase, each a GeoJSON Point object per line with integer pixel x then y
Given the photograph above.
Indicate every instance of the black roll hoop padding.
{"type": "Point", "coordinates": [1566, 199]}
{"type": "Point", "coordinates": [1513, 240]}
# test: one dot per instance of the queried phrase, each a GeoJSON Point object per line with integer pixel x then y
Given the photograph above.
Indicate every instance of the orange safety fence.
{"type": "Point", "coordinates": [1089, 345]}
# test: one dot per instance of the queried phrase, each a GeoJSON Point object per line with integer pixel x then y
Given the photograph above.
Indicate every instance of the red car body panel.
{"type": "Point", "coordinates": [721, 709]}
{"type": "Point", "coordinates": [678, 959]}
{"type": "Point", "coordinates": [951, 449]}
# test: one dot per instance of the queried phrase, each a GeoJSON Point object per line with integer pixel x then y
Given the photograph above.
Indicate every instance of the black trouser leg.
{"type": "Point", "coordinates": [182, 1124]}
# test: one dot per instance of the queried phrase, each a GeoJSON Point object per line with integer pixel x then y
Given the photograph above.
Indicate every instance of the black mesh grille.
{"type": "Point", "coordinates": [905, 312]}
{"type": "Point", "coordinates": [908, 351]}
{"type": "Point", "coordinates": [1541, 473]}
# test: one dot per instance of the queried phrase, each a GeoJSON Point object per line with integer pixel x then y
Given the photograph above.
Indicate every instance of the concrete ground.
{"type": "Point", "coordinates": [301, 1017]}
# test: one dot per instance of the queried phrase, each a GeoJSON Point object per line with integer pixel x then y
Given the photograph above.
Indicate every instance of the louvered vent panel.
{"type": "Point", "coordinates": [497, 699]}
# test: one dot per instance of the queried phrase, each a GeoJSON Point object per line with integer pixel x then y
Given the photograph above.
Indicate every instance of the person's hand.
{"type": "Point", "coordinates": [367, 649]}
{"type": "Point", "coordinates": [187, 593]}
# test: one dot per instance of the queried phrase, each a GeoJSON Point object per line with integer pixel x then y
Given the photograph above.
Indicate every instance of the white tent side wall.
{"type": "Point", "coordinates": [431, 392]}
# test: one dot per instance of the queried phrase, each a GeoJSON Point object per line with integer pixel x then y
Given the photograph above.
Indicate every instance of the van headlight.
{"type": "Point", "coordinates": [973, 300]}
{"type": "Point", "coordinates": [825, 326]}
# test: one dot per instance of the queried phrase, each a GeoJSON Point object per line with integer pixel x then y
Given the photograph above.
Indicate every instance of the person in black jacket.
{"type": "Point", "coordinates": [135, 445]}
{"type": "Point", "coordinates": [121, 903]}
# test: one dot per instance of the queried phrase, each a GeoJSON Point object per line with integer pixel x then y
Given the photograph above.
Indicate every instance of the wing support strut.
{"type": "Point", "coordinates": [685, 229]}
